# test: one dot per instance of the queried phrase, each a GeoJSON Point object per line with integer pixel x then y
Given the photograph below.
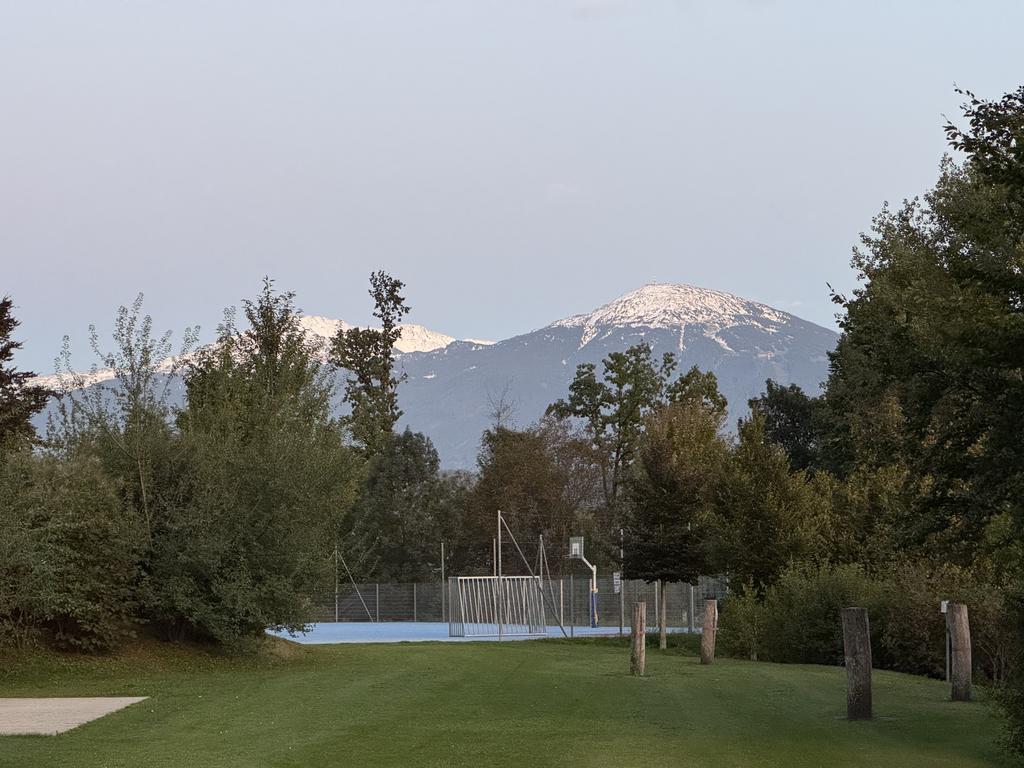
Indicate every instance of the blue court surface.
{"type": "Point", "coordinates": [416, 632]}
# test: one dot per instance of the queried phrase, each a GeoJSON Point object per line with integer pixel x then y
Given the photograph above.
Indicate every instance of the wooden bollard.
{"type": "Point", "coordinates": [857, 650]}
{"type": "Point", "coordinates": [638, 640]}
{"type": "Point", "coordinates": [960, 641]}
{"type": "Point", "coordinates": [707, 633]}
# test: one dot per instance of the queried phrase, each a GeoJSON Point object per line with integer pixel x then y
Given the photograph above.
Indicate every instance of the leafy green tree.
{"type": "Point", "coordinates": [542, 479]}
{"type": "Point", "coordinates": [126, 424]}
{"type": "Point", "coordinates": [371, 387]}
{"type": "Point", "coordinates": [767, 516]}
{"type": "Point", "coordinates": [671, 494]}
{"type": "Point", "coordinates": [20, 400]}
{"type": "Point", "coordinates": [613, 409]}
{"type": "Point", "coordinates": [264, 481]}
{"type": "Point", "coordinates": [402, 513]}
{"type": "Point", "coordinates": [791, 420]}
{"type": "Point", "coordinates": [69, 551]}
{"type": "Point", "coordinates": [927, 373]}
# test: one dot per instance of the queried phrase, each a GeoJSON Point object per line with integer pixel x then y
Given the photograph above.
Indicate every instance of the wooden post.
{"type": "Point", "coordinates": [960, 639]}
{"type": "Point", "coordinates": [638, 640]}
{"type": "Point", "coordinates": [707, 636]}
{"type": "Point", "coordinates": [662, 628]}
{"type": "Point", "coordinates": [857, 651]}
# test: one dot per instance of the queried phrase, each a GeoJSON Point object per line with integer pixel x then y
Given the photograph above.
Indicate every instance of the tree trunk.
{"type": "Point", "coordinates": [960, 641]}
{"type": "Point", "coordinates": [662, 628]}
{"type": "Point", "coordinates": [638, 640]}
{"type": "Point", "coordinates": [707, 635]}
{"type": "Point", "coordinates": [857, 650]}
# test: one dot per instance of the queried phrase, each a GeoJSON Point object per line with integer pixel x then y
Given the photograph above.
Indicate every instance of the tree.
{"type": "Point", "coordinates": [400, 518]}
{"type": "Point", "coordinates": [791, 420]}
{"type": "Point", "coordinates": [767, 516]}
{"type": "Point", "coordinates": [69, 550]}
{"type": "Point", "coordinates": [667, 533]}
{"type": "Point", "coordinates": [541, 478]}
{"type": "Point", "coordinates": [262, 486]}
{"type": "Point", "coordinates": [20, 400]}
{"type": "Point", "coordinates": [927, 373]}
{"type": "Point", "coordinates": [613, 410]}
{"type": "Point", "coordinates": [126, 424]}
{"type": "Point", "coordinates": [371, 387]}
{"type": "Point", "coordinates": [670, 494]}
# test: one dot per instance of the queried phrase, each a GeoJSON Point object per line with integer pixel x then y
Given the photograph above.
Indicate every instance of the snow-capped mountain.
{"type": "Point", "coordinates": [450, 392]}
{"type": "Point", "coordinates": [414, 338]}
{"type": "Point", "coordinates": [452, 385]}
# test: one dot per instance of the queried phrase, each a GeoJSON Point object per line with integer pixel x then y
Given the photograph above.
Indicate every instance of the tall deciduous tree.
{"type": "Point", "coordinates": [929, 371]}
{"type": "Point", "coordinates": [405, 510]}
{"type": "Point", "coordinates": [264, 482]}
{"type": "Point", "coordinates": [791, 420]}
{"type": "Point", "coordinates": [613, 409]}
{"type": "Point", "coordinates": [20, 400]}
{"type": "Point", "coordinates": [371, 388]}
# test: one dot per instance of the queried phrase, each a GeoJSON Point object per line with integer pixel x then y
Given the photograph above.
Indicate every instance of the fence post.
{"type": "Point", "coordinates": [622, 604]}
{"type": "Point", "coordinates": [572, 606]}
{"type": "Point", "coordinates": [561, 602]}
{"type": "Point", "coordinates": [707, 633]}
{"type": "Point", "coordinates": [638, 640]}
{"type": "Point", "coordinates": [857, 650]}
{"type": "Point", "coordinates": [415, 615]}
{"type": "Point", "coordinates": [378, 602]}
{"type": "Point", "coordinates": [442, 581]}
{"type": "Point", "coordinates": [662, 624]}
{"type": "Point", "coordinates": [960, 639]}
{"type": "Point", "coordinates": [692, 625]}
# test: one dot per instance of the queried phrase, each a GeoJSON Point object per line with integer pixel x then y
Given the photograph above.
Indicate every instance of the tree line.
{"type": "Point", "coordinates": [898, 485]}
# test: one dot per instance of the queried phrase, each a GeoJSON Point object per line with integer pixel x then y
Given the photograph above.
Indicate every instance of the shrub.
{"type": "Point", "coordinates": [742, 624]}
{"type": "Point", "coordinates": [68, 557]}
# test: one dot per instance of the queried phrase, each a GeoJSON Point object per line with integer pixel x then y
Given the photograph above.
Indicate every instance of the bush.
{"type": "Point", "coordinates": [68, 554]}
{"type": "Point", "coordinates": [742, 624]}
{"type": "Point", "coordinates": [799, 618]}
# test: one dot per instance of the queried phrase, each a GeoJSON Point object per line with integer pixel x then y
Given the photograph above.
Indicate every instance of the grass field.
{"type": "Point", "coordinates": [548, 703]}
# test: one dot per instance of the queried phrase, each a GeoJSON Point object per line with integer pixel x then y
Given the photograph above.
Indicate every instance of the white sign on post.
{"type": "Point", "coordinates": [617, 582]}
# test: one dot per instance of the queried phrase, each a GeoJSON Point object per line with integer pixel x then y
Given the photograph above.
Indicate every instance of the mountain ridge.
{"type": "Point", "coordinates": [451, 385]}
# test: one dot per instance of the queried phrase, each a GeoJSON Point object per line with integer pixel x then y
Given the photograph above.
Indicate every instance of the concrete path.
{"type": "Point", "coordinates": [51, 716]}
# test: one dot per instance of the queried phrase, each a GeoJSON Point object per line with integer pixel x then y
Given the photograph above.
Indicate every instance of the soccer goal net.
{"type": "Point", "coordinates": [495, 606]}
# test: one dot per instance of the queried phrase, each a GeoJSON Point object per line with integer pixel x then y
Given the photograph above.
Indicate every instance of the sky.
{"type": "Point", "coordinates": [512, 161]}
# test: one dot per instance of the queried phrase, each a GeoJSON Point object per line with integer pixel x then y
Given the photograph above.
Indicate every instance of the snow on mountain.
{"type": "Point", "coordinates": [451, 386]}
{"type": "Point", "coordinates": [414, 338]}
{"type": "Point", "coordinates": [674, 306]}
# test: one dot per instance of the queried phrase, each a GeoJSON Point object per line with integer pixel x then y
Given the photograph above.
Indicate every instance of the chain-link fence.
{"type": "Point", "coordinates": [566, 601]}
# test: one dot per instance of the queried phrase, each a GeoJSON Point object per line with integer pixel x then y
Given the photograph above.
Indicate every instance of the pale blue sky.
{"type": "Point", "coordinates": [514, 162]}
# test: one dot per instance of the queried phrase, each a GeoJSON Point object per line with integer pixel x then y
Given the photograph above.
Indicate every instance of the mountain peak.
{"type": "Point", "coordinates": [674, 305]}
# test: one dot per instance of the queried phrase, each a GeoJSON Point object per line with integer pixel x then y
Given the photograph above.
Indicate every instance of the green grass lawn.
{"type": "Point", "coordinates": [551, 703]}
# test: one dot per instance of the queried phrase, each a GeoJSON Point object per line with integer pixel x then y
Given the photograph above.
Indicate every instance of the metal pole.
{"type": "Point", "coordinates": [336, 583]}
{"type": "Point", "coordinates": [378, 602]}
{"type": "Point", "coordinates": [501, 596]}
{"type": "Point", "coordinates": [572, 607]}
{"type": "Point", "coordinates": [689, 612]}
{"type": "Point", "coordinates": [622, 584]}
{"type": "Point", "coordinates": [494, 556]}
{"type": "Point", "coordinates": [948, 637]}
{"type": "Point", "coordinates": [442, 581]}
{"type": "Point", "coordinates": [414, 612]}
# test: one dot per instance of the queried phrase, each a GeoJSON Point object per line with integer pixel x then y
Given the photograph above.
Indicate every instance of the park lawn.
{"type": "Point", "coordinates": [541, 703]}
